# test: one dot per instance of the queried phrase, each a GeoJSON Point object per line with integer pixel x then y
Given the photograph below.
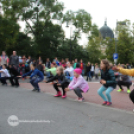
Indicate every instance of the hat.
{"type": "Point", "coordinates": [78, 70]}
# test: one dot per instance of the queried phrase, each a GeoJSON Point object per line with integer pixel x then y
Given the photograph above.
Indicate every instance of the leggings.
{"type": "Point", "coordinates": [132, 96]}
{"type": "Point", "coordinates": [122, 83]}
{"type": "Point", "coordinates": [63, 86]}
{"type": "Point", "coordinates": [108, 91]}
{"type": "Point", "coordinates": [78, 92]}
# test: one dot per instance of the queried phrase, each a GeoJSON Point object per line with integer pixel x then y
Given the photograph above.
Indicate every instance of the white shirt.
{"type": "Point", "coordinates": [92, 68]}
{"type": "Point", "coordinates": [4, 73]}
{"type": "Point", "coordinates": [70, 70]}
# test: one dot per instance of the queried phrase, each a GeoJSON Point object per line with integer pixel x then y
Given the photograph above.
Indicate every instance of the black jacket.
{"type": "Point", "coordinates": [88, 68]}
{"type": "Point", "coordinates": [61, 79]}
{"type": "Point", "coordinates": [109, 77]}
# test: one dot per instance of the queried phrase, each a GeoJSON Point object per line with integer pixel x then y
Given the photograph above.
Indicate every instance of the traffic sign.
{"type": "Point", "coordinates": [115, 56]}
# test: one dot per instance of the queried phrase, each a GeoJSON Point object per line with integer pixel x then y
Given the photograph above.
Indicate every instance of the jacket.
{"type": "Point", "coordinates": [61, 79]}
{"type": "Point", "coordinates": [33, 73]}
{"type": "Point", "coordinates": [14, 60]}
{"type": "Point", "coordinates": [88, 68]}
{"type": "Point", "coordinates": [109, 77]}
{"type": "Point", "coordinates": [79, 83]}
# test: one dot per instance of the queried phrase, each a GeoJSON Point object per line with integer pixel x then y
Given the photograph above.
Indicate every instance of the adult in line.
{"type": "Point", "coordinates": [14, 60]}
{"type": "Point", "coordinates": [88, 71]}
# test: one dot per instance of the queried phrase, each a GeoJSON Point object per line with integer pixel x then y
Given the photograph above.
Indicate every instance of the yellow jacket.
{"type": "Point", "coordinates": [129, 72]}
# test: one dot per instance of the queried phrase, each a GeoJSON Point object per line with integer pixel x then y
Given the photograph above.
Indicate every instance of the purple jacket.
{"type": "Point", "coordinates": [79, 82]}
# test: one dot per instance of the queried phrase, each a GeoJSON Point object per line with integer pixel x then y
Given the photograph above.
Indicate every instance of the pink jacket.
{"type": "Point", "coordinates": [79, 82]}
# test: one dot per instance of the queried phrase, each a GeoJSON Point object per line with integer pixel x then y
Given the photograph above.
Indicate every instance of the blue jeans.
{"type": "Point", "coordinates": [108, 91]}
{"type": "Point", "coordinates": [82, 72]}
{"type": "Point", "coordinates": [0, 69]}
{"type": "Point", "coordinates": [34, 81]}
{"type": "Point", "coordinates": [48, 74]}
{"type": "Point", "coordinates": [89, 74]}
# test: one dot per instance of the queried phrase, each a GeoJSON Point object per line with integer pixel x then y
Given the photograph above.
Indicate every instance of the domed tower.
{"type": "Point", "coordinates": [106, 31]}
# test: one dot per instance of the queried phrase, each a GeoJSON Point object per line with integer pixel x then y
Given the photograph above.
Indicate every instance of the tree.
{"type": "Point", "coordinates": [94, 45]}
{"type": "Point", "coordinates": [125, 46]}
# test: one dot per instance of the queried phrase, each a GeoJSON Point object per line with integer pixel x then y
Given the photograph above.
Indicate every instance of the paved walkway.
{"type": "Point", "coordinates": [120, 100]}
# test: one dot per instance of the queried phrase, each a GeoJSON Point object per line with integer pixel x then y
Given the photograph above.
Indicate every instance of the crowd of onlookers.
{"type": "Point", "coordinates": [22, 64]}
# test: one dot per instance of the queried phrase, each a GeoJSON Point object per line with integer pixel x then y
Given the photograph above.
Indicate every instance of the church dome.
{"type": "Point", "coordinates": [106, 31]}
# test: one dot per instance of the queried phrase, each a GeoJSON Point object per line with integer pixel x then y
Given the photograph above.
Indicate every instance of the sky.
{"type": "Point", "coordinates": [113, 10]}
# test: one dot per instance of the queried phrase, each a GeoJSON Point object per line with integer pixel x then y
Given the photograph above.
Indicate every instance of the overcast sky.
{"type": "Point", "coordinates": [113, 10]}
{"type": "Point", "coordinates": [100, 10]}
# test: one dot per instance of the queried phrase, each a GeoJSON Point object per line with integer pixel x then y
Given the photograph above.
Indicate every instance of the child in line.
{"type": "Point", "coordinates": [125, 81]}
{"type": "Point", "coordinates": [14, 79]}
{"type": "Point", "coordinates": [4, 75]}
{"type": "Point", "coordinates": [108, 82]}
{"type": "Point", "coordinates": [36, 77]}
{"type": "Point", "coordinates": [61, 82]}
{"type": "Point", "coordinates": [129, 72]}
{"type": "Point", "coordinates": [78, 84]}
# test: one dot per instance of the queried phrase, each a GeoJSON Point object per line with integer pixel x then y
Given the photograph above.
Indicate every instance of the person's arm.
{"type": "Point", "coordinates": [51, 79]}
{"type": "Point", "coordinates": [78, 83]}
{"type": "Point", "coordinates": [129, 72]}
{"type": "Point", "coordinates": [112, 76]}
{"type": "Point", "coordinates": [26, 74]}
{"type": "Point", "coordinates": [71, 83]}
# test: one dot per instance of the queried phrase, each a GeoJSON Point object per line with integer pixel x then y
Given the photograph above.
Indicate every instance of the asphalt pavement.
{"type": "Point", "coordinates": [41, 113]}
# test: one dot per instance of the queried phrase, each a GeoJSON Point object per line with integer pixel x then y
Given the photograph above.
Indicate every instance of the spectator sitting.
{"type": "Point", "coordinates": [69, 71]}
{"type": "Point", "coordinates": [52, 71]}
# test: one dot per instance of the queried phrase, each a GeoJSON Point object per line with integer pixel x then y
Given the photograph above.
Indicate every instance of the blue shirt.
{"type": "Point", "coordinates": [33, 73]}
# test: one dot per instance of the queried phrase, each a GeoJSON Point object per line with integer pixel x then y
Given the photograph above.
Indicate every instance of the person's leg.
{"type": "Point", "coordinates": [63, 86]}
{"type": "Point", "coordinates": [87, 75]}
{"type": "Point", "coordinates": [11, 80]}
{"type": "Point", "coordinates": [35, 83]}
{"type": "Point", "coordinates": [67, 73]}
{"type": "Point", "coordinates": [132, 96]}
{"type": "Point", "coordinates": [78, 92]}
{"type": "Point", "coordinates": [128, 84]}
{"type": "Point", "coordinates": [108, 91]}
{"type": "Point", "coordinates": [32, 83]}
{"type": "Point", "coordinates": [120, 83]}
{"type": "Point", "coordinates": [16, 81]}
{"type": "Point", "coordinates": [57, 89]}
{"type": "Point", "coordinates": [100, 92]}
{"type": "Point", "coordinates": [3, 80]}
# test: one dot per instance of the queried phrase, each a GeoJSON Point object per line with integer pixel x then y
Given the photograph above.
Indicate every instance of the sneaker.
{"type": "Point", "coordinates": [81, 99]}
{"type": "Point", "coordinates": [104, 103]}
{"type": "Point", "coordinates": [64, 96]}
{"type": "Point", "coordinates": [34, 90]}
{"type": "Point", "coordinates": [77, 99]}
{"type": "Point", "coordinates": [128, 91]}
{"type": "Point", "coordinates": [58, 94]}
{"type": "Point", "coordinates": [4, 84]}
{"type": "Point", "coordinates": [109, 103]}
{"type": "Point", "coordinates": [119, 90]}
